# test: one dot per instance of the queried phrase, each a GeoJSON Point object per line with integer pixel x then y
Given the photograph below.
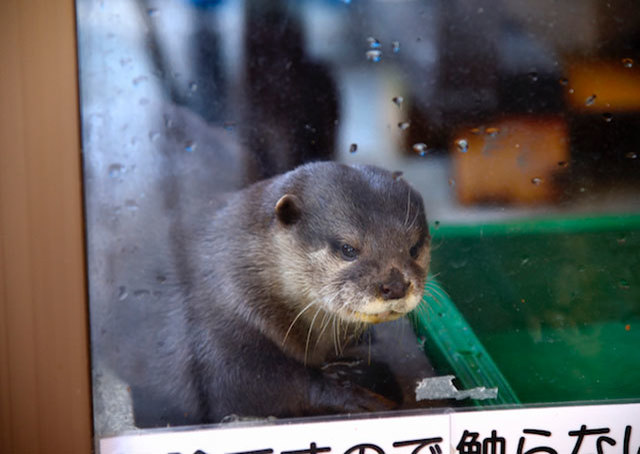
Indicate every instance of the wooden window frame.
{"type": "Point", "coordinates": [45, 394]}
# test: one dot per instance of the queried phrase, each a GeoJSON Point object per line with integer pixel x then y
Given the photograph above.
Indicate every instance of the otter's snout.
{"type": "Point", "coordinates": [395, 287]}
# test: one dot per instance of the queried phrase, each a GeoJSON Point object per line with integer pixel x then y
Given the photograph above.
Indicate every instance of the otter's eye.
{"type": "Point", "coordinates": [348, 252]}
{"type": "Point", "coordinates": [415, 249]}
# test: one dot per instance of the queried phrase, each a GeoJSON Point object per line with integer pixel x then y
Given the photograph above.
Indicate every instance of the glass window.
{"type": "Point", "coordinates": [223, 287]}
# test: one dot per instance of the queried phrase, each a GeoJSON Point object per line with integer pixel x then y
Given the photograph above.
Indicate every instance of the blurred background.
{"type": "Point", "coordinates": [518, 121]}
{"type": "Point", "coordinates": [492, 109]}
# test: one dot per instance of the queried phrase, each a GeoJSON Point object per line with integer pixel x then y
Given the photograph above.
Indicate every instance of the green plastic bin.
{"type": "Point", "coordinates": [546, 310]}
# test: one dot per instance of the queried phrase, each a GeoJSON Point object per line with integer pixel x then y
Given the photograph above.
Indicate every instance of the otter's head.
{"type": "Point", "coordinates": [353, 241]}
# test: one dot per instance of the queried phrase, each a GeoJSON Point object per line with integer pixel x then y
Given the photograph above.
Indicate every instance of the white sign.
{"type": "Point", "coordinates": [592, 429]}
{"type": "Point", "coordinates": [397, 435]}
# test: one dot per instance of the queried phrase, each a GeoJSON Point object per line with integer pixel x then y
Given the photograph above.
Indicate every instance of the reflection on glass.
{"type": "Point", "coordinates": [517, 123]}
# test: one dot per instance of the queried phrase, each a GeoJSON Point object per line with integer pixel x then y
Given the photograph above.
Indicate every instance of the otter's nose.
{"type": "Point", "coordinates": [395, 287]}
{"type": "Point", "coordinates": [393, 290]}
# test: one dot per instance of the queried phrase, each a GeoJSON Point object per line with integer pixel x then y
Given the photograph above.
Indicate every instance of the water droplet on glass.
{"type": "Point", "coordinates": [533, 76]}
{"type": "Point", "coordinates": [420, 148]}
{"type": "Point", "coordinates": [193, 86]}
{"type": "Point", "coordinates": [459, 263]}
{"type": "Point", "coordinates": [396, 174]}
{"type": "Point", "coordinates": [492, 131]}
{"type": "Point", "coordinates": [154, 135]}
{"type": "Point", "coordinates": [631, 155]}
{"type": "Point", "coordinates": [138, 80]}
{"type": "Point", "coordinates": [190, 146]}
{"type": "Point", "coordinates": [374, 55]}
{"type": "Point", "coordinates": [398, 100]}
{"type": "Point", "coordinates": [373, 43]}
{"type": "Point", "coordinates": [462, 145]}
{"type": "Point", "coordinates": [571, 90]}
{"type": "Point", "coordinates": [537, 181]}
{"type": "Point", "coordinates": [436, 224]}
{"type": "Point", "coordinates": [141, 293]}
{"type": "Point", "coordinates": [131, 205]}
{"type": "Point", "coordinates": [122, 293]}
{"type": "Point", "coordinates": [590, 100]}
{"type": "Point", "coordinates": [607, 117]}
{"type": "Point", "coordinates": [564, 81]}
{"type": "Point", "coordinates": [116, 170]}
{"type": "Point", "coordinates": [229, 125]}
{"type": "Point", "coordinates": [395, 46]}
{"type": "Point", "coordinates": [404, 125]}
{"type": "Point", "coordinates": [624, 284]}
{"type": "Point", "coordinates": [152, 11]}
{"type": "Point", "coordinates": [563, 164]}
{"type": "Point", "coordinates": [353, 148]}
{"type": "Point", "coordinates": [475, 131]}
{"type": "Point", "coordinates": [168, 122]}
{"type": "Point", "coordinates": [452, 183]}
{"type": "Point", "coordinates": [627, 62]}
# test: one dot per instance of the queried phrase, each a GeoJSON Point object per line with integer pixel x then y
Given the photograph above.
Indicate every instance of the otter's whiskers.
{"type": "Point", "coordinates": [406, 218]}
{"type": "Point", "coordinates": [326, 321]}
{"type": "Point", "coordinates": [296, 319]}
{"type": "Point", "coordinates": [336, 334]}
{"type": "Point", "coordinates": [306, 345]}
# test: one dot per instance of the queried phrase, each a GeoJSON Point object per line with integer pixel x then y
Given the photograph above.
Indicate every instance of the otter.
{"type": "Point", "coordinates": [271, 283]}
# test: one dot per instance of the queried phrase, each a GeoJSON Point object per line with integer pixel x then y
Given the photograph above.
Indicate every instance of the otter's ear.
{"type": "Point", "coordinates": [288, 209]}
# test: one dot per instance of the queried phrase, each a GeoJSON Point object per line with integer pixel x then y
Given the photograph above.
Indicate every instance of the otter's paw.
{"type": "Point", "coordinates": [341, 396]}
{"type": "Point", "coordinates": [363, 400]}
{"type": "Point", "coordinates": [373, 376]}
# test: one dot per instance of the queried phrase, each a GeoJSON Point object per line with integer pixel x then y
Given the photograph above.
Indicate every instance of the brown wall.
{"type": "Point", "coordinates": [44, 366]}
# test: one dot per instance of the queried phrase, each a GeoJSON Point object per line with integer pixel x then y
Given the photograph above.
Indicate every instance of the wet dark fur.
{"type": "Point", "coordinates": [209, 331]}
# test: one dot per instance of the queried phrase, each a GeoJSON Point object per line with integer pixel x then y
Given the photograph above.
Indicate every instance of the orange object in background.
{"type": "Point", "coordinates": [604, 86]}
{"type": "Point", "coordinates": [513, 160]}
